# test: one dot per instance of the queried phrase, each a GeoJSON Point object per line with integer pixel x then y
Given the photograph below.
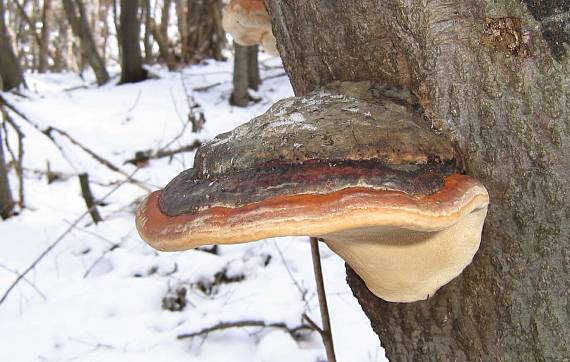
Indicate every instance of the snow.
{"type": "Point", "coordinates": [98, 294]}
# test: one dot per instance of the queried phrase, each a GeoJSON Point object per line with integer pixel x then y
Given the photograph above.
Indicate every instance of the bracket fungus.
{"type": "Point", "coordinates": [351, 164]}
{"type": "Point", "coordinates": [249, 23]}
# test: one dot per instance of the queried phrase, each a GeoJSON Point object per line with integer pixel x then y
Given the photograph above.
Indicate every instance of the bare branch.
{"type": "Point", "coordinates": [25, 280]}
{"type": "Point", "coordinates": [142, 157]}
{"type": "Point", "coordinates": [59, 239]}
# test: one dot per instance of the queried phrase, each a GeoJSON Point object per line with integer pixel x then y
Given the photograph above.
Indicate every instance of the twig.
{"type": "Point", "coordinates": [326, 330]}
{"type": "Point", "coordinates": [98, 158]}
{"type": "Point", "coordinates": [195, 113]}
{"type": "Point", "coordinates": [27, 281]}
{"type": "Point", "coordinates": [312, 323]}
{"type": "Point", "coordinates": [59, 239]}
{"type": "Point", "coordinates": [137, 99]}
{"type": "Point", "coordinates": [88, 197]}
{"type": "Point", "coordinates": [301, 290]}
{"type": "Point", "coordinates": [248, 323]}
{"type": "Point", "coordinates": [107, 251]}
{"type": "Point", "coordinates": [145, 156]}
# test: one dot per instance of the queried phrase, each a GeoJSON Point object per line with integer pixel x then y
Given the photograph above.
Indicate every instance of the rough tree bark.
{"type": "Point", "coordinates": [10, 71]}
{"type": "Point", "coordinates": [77, 17]}
{"type": "Point", "coordinates": [494, 76]}
{"type": "Point", "coordinates": [131, 58]}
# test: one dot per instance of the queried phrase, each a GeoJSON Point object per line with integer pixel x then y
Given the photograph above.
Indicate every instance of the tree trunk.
{"type": "Point", "coordinates": [44, 36]}
{"type": "Point", "coordinates": [131, 58]}
{"type": "Point", "coordinates": [77, 17]}
{"type": "Point", "coordinates": [494, 76]}
{"type": "Point", "coordinates": [240, 95]}
{"type": "Point", "coordinates": [147, 32]}
{"type": "Point", "coordinates": [160, 34]}
{"type": "Point", "coordinates": [204, 36]}
{"type": "Point", "coordinates": [6, 200]}
{"type": "Point", "coordinates": [10, 70]}
{"type": "Point", "coordinates": [253, 78]}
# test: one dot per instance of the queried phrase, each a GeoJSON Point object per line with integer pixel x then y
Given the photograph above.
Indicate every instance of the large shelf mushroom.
{"type": "Point", "coordinates": [249, 23]}
{"type": "Point", "coordinates": [351, 164]}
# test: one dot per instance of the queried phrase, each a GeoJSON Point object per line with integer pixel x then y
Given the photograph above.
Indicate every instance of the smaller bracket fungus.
{"type": "Point", "coordinates": [351, 164]}
{"type": "Point", "coordinates": [249, 23]}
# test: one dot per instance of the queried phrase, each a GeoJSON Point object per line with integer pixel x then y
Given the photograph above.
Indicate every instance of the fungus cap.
{"type": "Point", "coordinates": [249, 23]}
{"type": "Point", "coordinates": [350, 164]}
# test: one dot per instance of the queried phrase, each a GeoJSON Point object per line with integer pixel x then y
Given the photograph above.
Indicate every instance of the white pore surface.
{"type": "Point", "coordinates": [86, 302]}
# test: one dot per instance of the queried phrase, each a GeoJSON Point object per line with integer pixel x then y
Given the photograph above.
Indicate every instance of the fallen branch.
{"type": "Point", "coordinates": [207, 87]}
{"type": "Point", "coordinates": [142, 157]}
{"type": "Point", "coordinates": [58, 240]}
{"type": "Point", "coordinates": [248, 323]}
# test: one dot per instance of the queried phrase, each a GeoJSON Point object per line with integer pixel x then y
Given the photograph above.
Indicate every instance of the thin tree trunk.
{"type": "Point", "coordinates": [204, 36]}
{"type": "Point", "coordinates": [10, 70]}
{"type": "Point", "coordinates": [181, 21]}
{"type": "Point", "coordinates": [240, 95]}
{"type": "Point", "coordinates": [147, 31]}
{"type": "Point", "coordinates": [44, 44]}
{"type": "Point", "coordinates": [77, 17]}
{"type": "Point", "coordinates": [494, 76]}
{"type": "Point", "coordinates": [160, 34]}
{"type": "Point", "coordinates": [6, 200]}
{"type": "Point", "coordinates": [131, 58]}
{"type": "Point", "coordinates": [254, 79]}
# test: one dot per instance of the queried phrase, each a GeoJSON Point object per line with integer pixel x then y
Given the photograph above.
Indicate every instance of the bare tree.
{"type": "Point", "coordinates": [246, 74]}
{"type": "Point", "coordinates": [6, 200]}
{"type": "Point", "coordinates": [200, 28]}
{"type": "Point", "coordinates": [253, 77]}
{"type": "Point", "coordinates": [77, 17]}
{"type": "Point", "coordinates": [44, 43]}
{"type": "Point", "coordinates": [147, 15]}
{"type": "Point", "coordinates": [494, 77]}
{"type": "Point", "coordinates": [160, 34]}
{"type": "Point", "coordinates": [10, 71]}
{"type": "Point", "coordinates": [240, 95]}
{"type": "Point", "coordinates": [131, 58]}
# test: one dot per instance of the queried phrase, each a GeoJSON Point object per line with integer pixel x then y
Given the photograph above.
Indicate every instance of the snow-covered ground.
{"type": "Point", "coordinates": [98, 295]}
